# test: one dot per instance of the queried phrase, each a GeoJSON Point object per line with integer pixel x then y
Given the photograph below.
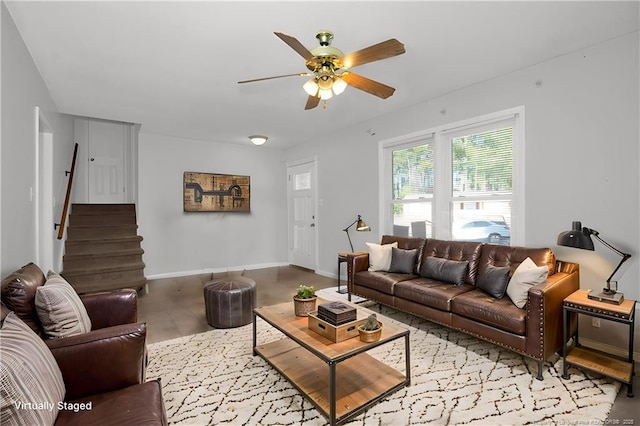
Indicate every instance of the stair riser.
{"type": "Point", "coordinates": [103, 208]}
{"type": "Point", "coordinates": [106, 232]}
{"type": "Point", "coordinates": [106, 261]}
{"type": "Point", "coordinates": [83, 287]}
{"type": "Point", "coordinates": [105, 277]}
{"type": "Point", "coordinates": [101, 220]}
{"type": "Point", "coordinates": [97, 247]}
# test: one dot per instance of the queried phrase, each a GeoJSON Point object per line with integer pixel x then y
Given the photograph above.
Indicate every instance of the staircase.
{"type": "Point", "coordinates": [102, 249]}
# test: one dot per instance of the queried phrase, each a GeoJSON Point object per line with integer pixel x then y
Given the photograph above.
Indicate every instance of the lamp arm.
{"type": "Point", "coordinates": [347, 231]}
{"type": "Point", "coordinates": [625, 256]}
{"type": "Point", "coordinates": [354, 222]}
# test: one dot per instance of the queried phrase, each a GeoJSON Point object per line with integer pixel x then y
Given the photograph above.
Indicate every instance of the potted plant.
{"type": "Point", "coordinates": [371, 330]}
{"type": "Point", "coordinates": [304, 300]}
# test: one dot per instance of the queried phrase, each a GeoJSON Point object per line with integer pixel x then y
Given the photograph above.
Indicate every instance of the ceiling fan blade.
{"type": "Point", "coordinates": [367, 85]}
{"type": "Point", "coordinates": [312, 102]}
{"type": "Point", "coordinates": [299, 74]}
{"type": "Point", "coordinates": [295, 45]}
{"type": "Point", "coordinates": [376, 52]}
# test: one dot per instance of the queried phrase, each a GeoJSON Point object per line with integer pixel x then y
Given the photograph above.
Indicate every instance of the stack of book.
{"type": "Point", "coordinates": [336, 313]}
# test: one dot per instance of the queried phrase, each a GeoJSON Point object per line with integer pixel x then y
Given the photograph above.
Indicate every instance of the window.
{"type": "Point", "coordinates": [463, 181]}
{"type": "Point", "coordinates": [412, 188]}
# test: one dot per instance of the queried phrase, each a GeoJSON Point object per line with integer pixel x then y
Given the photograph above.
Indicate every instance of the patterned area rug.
{"type": "Point", "coordinates": [212, 378]}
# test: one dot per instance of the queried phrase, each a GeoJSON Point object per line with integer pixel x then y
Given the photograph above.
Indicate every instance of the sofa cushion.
{"type": "Point", "coordinates": [494, 280]}
{"type": "Point", "coordinates": [448, 271]}
{"type": "Point", "coordinates": [19, 293]}
{"type": "Point", "coordinates": [383, 282]}
{"type": "Point", "coordinates": [30, 375]}
{"type": "Point", "coordinates": [455, 250]}
{"type": "Point", "coordinates": [140, 404]}
{"type": "Point", "coordinates": [60, 309]}
{"type": "Point", "coordinates": [499, 313]}
{"type": "Point", "coordinates": [403, 261]}
{"type": "Point", "coordinates": [429, 292]}
{"type": "Point", "coordinates": [512, 256]}
{"type": "Point", "coordinates": [380, 256]}
{"type": "Point", "coordinates": [525, 276]}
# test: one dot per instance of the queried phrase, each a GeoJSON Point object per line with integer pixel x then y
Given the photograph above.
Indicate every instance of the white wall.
{"type": "Point", "coordinates": [582, 159]}
{"type": "Point", "coordinates": [180, 243]}
{"type": "Point", "coordinates": [22, 90]}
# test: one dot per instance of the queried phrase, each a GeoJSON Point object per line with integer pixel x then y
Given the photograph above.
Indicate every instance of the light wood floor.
{"type": "Point", "coordinates": [174, 307]}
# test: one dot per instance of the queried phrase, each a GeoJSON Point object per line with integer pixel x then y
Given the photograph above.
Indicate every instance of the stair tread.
{"type": "Point", "coordinates": [105, 239]}
{"type": "Point", "coordinates": [107, 225]}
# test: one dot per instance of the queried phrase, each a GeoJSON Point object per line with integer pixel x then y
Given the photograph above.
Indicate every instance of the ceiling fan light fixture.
{"type": "Point", "coordinates": [311, 87]}
{"type": "Point", "coordinates": [338, 85]}
{"type": "Point", "coordinates": [258, 139]}
{"type": "Point", "coordinates": [325, 94]}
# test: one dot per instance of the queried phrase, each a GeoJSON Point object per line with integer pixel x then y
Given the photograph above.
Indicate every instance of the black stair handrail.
{"type": "Point", "coordinates": [68, 196]}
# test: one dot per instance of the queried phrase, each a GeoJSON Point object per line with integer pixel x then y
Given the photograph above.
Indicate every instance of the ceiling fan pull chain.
{"type": "Point", "coordinates": [324, 105]}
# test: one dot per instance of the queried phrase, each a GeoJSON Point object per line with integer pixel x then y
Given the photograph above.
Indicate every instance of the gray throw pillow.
{"type": "Point", "coordinates": [494, 280]}
{"type": "Point", "coordinates": [403, 261]}
{"type": "Point", "coordinates": [450, 271]}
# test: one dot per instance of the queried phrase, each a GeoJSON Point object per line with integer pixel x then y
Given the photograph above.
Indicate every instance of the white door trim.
{"type": "Point", "coordinates": [43, 192]}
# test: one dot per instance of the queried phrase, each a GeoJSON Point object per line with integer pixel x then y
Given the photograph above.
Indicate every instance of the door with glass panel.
{"type": "Point", "coordinates": [301, 196]}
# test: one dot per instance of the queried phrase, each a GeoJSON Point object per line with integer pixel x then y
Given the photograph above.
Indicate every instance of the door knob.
{"type": "Point", "coordinates": [312, 225]}
{"type": "Point", "coordinates": [92, 159]}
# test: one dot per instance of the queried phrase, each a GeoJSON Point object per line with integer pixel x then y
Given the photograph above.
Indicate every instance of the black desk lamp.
{"type": "Point", "coordinates": [580, 237]}
{"type": "Point", "coordinates": [360, 227]}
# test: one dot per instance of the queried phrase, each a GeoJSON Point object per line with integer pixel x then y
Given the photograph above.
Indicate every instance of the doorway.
{"type": "Point", "coordinates": [302, 206]}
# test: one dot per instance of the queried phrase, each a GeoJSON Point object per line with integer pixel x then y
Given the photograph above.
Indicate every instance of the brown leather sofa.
{"type": "Point", "coordinates": [105, 366]}
{"type": "Point", "coordinates": [535, 331]}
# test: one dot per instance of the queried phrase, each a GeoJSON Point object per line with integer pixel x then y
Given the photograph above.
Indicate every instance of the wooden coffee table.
{"type": "Point", "coordinates": [340, 379]}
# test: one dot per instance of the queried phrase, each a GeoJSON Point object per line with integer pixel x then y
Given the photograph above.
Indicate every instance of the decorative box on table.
{"type": "Point", "coordinates": [336, 313]}
{"type": "Point", "coordinates": [336, 333]}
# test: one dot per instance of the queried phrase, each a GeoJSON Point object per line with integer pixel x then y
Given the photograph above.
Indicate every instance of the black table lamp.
{"type": "Point", "coordinates": [360, 227]}
{"type": "Point", "coordinates": [580, 237]}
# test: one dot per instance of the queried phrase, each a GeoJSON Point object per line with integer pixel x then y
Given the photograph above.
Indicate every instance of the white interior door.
{"type": "Point", "coordinates": [106, 162]}
{"type": "Point", "coordinates": [301, 196]}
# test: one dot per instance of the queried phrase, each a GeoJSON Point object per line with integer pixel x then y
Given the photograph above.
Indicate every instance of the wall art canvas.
{"type": "Point", "coordinates": [209, 192]}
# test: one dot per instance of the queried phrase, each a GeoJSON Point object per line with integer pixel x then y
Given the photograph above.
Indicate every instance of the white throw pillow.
{"type": "Point", "coordinates": [32, 384]}
{"type": "Point", "coordinates": [526, 275]}
{"type": "Point", "coordinates": [60, 309]}
{"type": "Point", "coordinates": [380, 256]}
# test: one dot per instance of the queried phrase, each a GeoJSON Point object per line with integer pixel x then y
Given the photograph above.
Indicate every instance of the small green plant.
{"type": "Point", "coordinates": [371, 324]}
{"type": "Point", "coordinates": [305, 292]}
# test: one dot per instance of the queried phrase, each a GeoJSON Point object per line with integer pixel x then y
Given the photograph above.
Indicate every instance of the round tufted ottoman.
{"type": "Point", "coordinates": [229, 302]}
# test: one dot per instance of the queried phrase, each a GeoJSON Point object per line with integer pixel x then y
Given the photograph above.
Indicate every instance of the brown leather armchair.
{"type": "Point", "coordinates": [105, 366]}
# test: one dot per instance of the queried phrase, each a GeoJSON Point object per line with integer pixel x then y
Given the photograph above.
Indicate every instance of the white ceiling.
{"type": "Point", "coordinates": [174, 66]}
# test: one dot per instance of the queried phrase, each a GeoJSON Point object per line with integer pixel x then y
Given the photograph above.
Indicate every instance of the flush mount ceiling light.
{"type": "Point", "coordinates": [258, 139]}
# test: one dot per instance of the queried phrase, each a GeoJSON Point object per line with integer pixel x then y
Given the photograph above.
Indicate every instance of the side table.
{"type": "Point", "coordinates": [608, 365]}
{"type": "Point", "coordinates": [342, 258]}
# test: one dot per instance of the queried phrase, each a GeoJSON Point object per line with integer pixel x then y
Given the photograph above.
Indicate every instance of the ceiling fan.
{"type": "Point", "coordinates": [329, 68]}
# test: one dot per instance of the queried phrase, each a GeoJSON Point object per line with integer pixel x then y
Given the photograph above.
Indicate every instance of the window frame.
{"type": "Point", "coordinates": [440, 138]}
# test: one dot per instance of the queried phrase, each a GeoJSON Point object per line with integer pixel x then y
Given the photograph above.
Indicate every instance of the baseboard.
{"type": "Point", "coordinates": [238, 268]}
{"type": "Point", "coordinates": [327, 274]}
{"type": "Point", "coordinates": [613, 350]}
